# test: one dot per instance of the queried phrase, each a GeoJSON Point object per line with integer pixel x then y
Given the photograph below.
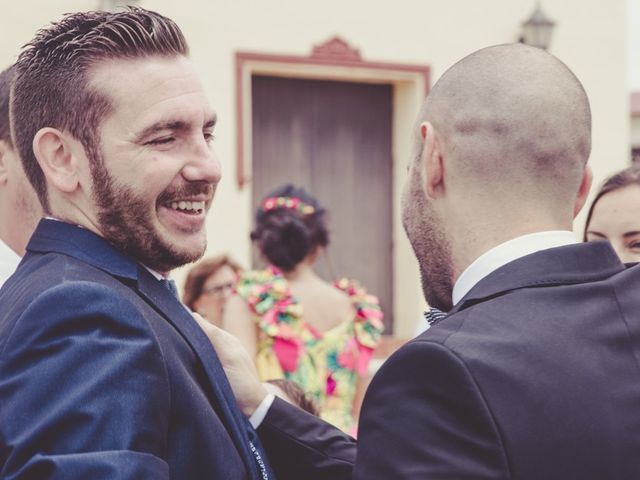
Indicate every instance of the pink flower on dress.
{"type": "Point", "coordinates": [364, 356]}
{"type": "Point", "coordinates": [288, 352]}
{"type": "Point", "coordinates": [348, 357]}
{"type": "Point", "coordinates": [331, 385]}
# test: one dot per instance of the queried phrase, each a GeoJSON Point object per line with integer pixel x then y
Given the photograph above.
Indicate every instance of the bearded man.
{"type": "Point", "coordinates": [534, 372]}
{"type": "Point", "coordinates": [19, 206]}
{"type": "Point", "coordinates": [103, 373]}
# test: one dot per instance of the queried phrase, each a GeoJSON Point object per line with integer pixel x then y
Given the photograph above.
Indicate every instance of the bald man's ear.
{"type": "Point", "coordinates": [54, 154]}
{"type": "Point", "coordinates": [431, 160]}
{"type": "Point", "coordinates": [583, 190]}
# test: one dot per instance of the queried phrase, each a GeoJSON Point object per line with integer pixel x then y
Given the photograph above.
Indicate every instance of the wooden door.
{"type": "Point", "coordinates": [334, 139]}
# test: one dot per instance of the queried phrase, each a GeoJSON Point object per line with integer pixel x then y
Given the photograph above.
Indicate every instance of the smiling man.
{"type": "Point", "coordinates": [103, 372]}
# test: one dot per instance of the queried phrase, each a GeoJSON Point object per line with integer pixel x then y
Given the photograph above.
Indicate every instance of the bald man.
{"type": "Point", "coordinates": [534, 373]}
{"type": "Point", "coordinates": [19, 206]}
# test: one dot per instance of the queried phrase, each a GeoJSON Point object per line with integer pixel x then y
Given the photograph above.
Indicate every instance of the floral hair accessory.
{"type": "Point", "coordinates": [291, 203]}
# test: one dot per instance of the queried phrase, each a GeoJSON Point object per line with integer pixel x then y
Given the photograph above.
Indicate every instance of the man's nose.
{"type": "Point", "coordinates": [203, 165]}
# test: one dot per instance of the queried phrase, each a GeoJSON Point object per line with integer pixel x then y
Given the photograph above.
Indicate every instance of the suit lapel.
{"type": "Point", "coordinates": [571, 264]}
{"type": "Point", "coordinates": [175, 312]}
{"type": "Point", "coordinates": [71, 240]}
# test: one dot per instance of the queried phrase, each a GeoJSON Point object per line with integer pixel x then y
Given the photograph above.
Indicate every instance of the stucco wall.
{"type": "Point", "coordinates": [590, 36]}
{"type": "Point", "coordinates": [635, 132]}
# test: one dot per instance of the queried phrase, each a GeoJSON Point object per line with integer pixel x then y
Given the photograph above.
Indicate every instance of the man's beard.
{"type": "Point", "coordinates": [125, 221]}
{"type": "Point", "coordinates": [431, 247]}
{"type": "Point", "coordinates": [435, 275]}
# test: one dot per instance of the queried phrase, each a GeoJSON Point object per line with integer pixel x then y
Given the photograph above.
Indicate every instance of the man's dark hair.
{"type": "Point", "coordinates": [51, 87]}
{"type": "Point", "coordinates": [6, 77]}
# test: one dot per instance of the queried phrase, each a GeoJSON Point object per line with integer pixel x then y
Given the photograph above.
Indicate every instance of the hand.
{"type": "Point", "coordinates": [238, 366]}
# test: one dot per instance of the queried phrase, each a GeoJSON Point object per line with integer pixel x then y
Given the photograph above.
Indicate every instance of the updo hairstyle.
{"type": "Point", "coordinates": [286, 234]}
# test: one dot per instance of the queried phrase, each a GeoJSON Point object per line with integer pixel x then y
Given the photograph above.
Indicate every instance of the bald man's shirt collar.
{"type": "Point", "coordinates": [507, 252]}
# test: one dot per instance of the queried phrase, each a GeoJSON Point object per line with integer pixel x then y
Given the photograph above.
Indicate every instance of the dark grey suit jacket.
{"type": "Point", "coordinates": [535, 375]}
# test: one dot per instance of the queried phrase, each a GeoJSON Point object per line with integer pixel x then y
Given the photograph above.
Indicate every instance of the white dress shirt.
{"type": "Point", "coordinates": [507, 252]}
{"type": "Point", "coordinates": [9, 261]}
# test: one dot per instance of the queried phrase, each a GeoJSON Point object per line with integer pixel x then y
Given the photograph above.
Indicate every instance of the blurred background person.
{"type": "Point", "coordinates": [19, 207]}
{"type": "Point", "coordinates": [615, 214]}
{"type": "Point", "coordinates": [297, 325]}
{"type": "Point", "coordinates": [209, 285]}
{"type": "Point", "coordinates": [293, 393]}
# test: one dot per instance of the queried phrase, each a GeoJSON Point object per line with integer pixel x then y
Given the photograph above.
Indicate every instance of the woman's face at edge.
{"type": "Point", "coordinates": [616, 218]}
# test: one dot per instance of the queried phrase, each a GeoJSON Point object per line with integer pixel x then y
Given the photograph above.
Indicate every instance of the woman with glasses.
{"type": "Point", "coordinates": [209, 285]}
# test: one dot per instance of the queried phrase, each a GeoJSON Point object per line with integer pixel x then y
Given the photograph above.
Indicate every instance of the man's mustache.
{"type": "Point", "coordinates": [191, 189]}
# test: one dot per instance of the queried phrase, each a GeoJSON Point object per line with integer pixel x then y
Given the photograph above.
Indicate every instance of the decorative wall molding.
{"type": "Point", "coordinates": [336, 49]}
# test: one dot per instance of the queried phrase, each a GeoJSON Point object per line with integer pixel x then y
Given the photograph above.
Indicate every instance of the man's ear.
{"type": "Point", "coordinates": [4, 168]}
{"type": "Point", "coordinates": [583, 190]}
{"type": "Point", "coordinates": [431, 161]}
{"type": "Point", "coordinates": [54, 154]}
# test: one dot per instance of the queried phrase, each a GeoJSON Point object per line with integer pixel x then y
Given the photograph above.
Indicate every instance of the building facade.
{"type": "Point", "coordinates": [326, 93]}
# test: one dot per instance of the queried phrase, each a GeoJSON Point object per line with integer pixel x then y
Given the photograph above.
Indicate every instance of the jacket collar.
{"type": "Point", "coordinates": [74, 241]}
{"type": "Point", "coordinates": [571, 264]}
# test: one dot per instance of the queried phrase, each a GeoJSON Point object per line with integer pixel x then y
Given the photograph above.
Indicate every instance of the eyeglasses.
{"type": "Point", "coordinates": [219, 291]}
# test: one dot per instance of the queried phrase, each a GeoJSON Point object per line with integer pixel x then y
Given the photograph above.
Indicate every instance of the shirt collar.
{"type": "Point", "coordinates": [157, 275]}
{"type": "Point", "coordinates": [507, 252]}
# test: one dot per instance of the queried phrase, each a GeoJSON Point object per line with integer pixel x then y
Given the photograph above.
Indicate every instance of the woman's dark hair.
{"type": "Point", "coordinates": [199, 274]}
{"type": "Point", "coordinates": [286, 235]}
{"type": "Point", "coordinates": [628, 176]}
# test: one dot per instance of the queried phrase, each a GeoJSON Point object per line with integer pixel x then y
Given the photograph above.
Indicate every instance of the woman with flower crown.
{"type": "Point", "coordinates": [298, 326]}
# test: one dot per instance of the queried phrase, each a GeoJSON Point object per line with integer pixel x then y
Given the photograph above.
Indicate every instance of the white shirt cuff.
{"type": "Point", "coordinates": [258, 415]}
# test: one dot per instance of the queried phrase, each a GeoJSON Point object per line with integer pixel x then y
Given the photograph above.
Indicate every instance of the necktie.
{"type": "Point", "coordinates": [263, 471]}
{"type": "Point", "coordinates": [171, 286]}
{"type": "Point", "coordinates": [434, 315]}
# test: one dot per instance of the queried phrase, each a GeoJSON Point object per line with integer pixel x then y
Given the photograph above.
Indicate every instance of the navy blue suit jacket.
{"type": "Point", "coordinates": [105, 375]}
{"type": "Point", "coordinates": [535, 375]}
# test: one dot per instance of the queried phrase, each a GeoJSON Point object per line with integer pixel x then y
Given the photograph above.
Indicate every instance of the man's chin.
{"type": "Point", "coordinates": [175, 259]}
{"type": "Point", "coordinates": [171, 252]}
{"type": "Point", "coordinates": [437, 295]}
{"type": "Point", "coordinates": [185, 242]}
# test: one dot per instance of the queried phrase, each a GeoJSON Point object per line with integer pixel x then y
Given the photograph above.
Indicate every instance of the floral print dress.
{"type": "Point", "coordinates": [326, 365]}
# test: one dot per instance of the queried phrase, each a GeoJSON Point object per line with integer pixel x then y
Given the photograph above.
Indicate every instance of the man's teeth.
{"type": "Point", "coordinates": [187, 206]}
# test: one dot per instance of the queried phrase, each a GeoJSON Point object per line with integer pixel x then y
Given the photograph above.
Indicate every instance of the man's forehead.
{"type": "Point", "coordinates": [152, 89]}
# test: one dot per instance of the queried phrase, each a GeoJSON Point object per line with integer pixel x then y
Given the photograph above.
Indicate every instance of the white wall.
{"type": "Point", "coordinates": [635, 132]}
{"type": "Point", "coordinates": [590, 36]}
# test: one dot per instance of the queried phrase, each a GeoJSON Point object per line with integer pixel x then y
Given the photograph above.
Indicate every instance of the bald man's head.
{"type": "Point", "coordinates": [512, 115]}
{"type": "Point", "coordinates": [504, 137]}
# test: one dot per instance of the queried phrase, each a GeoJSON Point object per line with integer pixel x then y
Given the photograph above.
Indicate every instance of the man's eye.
{"type": "Point", "coordinates": [160, 141]}
{"type": "Point", "coordinates": [209, 136]}
{"type": "Point", "coordinates": [635, 245]}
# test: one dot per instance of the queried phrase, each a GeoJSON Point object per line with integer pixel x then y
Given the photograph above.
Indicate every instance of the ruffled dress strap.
{"type": "Point", "coordinates": [278, 317]}
{"type": "Point", "coordinates": [367, 325]}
